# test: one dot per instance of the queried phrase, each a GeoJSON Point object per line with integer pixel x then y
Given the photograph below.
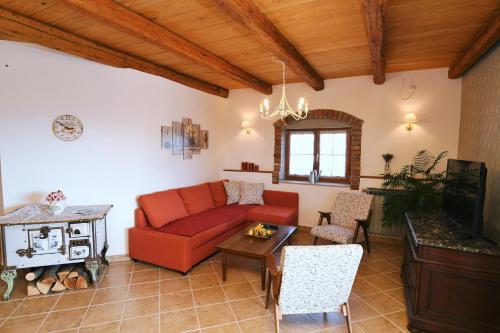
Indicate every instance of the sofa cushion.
{"type": "Point", "coordinates": [197, 198]}
{"type": "Point", "coordinates": [273, 214]}
{"type": "Point", "coordinates": [218, 193]}
{"type": "Point", "coordinates": [163, 207]}
{"type": "Point", "coordinates": [195, 224]}
{"type": "Point", "coordinates": [251, 193]}
{"type": "Point", "coordinates": [232, 191]}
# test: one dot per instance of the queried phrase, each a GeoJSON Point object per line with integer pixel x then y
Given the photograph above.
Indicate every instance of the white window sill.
{"type": "Point", "coordinates": [299, 182]}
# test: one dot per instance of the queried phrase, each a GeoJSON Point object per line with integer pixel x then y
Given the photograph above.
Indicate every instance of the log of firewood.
{"type": "Point", "coordinates": [64, 271]}
{"type": "Point", "coordinates": [43, 287]}
{"type": "Point", "coordinates": [69, 283]}
{"type": "Point", "coordinates": [32, 289]}
{"type": "Point", "coordinates": [34, 273]}
{"type": "Point", "coordinates": [58, 286]}
{"type": "Point", "coordinates": [49, 275]}
{"type": "Point", "coordinates": [83, 281]}
{"type": "Point", "coordinates": [76, 272]}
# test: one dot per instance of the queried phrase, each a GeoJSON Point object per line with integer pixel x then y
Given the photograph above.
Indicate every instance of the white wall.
{"type": "Point", "coordinates": [436, 103]}
{"type": "Point", "coordinates": [118, 155]}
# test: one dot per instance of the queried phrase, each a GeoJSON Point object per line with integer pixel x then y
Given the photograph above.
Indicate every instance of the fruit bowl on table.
{"type": "Point", "coordinates": [262, 230]}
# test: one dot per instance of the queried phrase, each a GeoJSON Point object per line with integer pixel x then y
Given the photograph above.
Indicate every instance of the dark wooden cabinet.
{"type": "Point", "coordinates": [451, 285]}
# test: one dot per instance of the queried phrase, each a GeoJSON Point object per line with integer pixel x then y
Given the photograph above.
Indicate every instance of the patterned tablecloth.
{"type": "Point", "coordinates": [40, 214]}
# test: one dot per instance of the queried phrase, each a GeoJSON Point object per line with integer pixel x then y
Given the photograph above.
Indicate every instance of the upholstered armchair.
{"type": "Point", "coordinates": [313, 279]}
{"type": "Point", "coordinates": [348, 221]}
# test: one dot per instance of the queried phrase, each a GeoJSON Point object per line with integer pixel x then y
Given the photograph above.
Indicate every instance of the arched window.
{"type": "Point", "coordinates": [328, 140]}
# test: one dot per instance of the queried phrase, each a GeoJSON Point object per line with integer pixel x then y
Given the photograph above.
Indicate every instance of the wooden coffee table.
{"type": "Point", "coordinates": [256, 248]}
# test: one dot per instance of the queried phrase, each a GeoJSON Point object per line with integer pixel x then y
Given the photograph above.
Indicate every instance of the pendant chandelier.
{"type": "Point", "coordinates": [283, 109]}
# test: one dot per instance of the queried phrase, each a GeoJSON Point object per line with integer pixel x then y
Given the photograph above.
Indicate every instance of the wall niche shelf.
{"type": "Point", "coordinates": [237, 170]}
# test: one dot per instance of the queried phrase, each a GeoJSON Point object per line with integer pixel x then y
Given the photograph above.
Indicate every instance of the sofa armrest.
{"type": "Point", "coordinates": [140, 219]}
{"type": "Point", "coordinates": [281, 198]}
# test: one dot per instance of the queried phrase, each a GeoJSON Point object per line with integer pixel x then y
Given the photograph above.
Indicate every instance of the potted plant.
{"type": "Point", "coordinates": [57, 202]}
{"type": "Point", "coordinates": [417, 187]}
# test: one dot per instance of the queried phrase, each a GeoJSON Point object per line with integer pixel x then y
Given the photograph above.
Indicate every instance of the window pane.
{"type": "Point", "coordinates": [301, 153]}
{"type": "Point", "coordinates": [333, 150]}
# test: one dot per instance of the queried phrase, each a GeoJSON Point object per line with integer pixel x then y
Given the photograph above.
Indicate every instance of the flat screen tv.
{"type": "Point", "coordinates": [464, 194]}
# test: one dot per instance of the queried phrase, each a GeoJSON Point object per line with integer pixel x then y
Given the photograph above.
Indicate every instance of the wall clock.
{"type": "Point", "coordinates": [67, 127]}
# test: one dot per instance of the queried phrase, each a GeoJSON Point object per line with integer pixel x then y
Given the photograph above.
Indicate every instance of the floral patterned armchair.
{"type": "Point", "coordinates": [313, 279]}
{"type": "Point", "coordinates": [348, 221]}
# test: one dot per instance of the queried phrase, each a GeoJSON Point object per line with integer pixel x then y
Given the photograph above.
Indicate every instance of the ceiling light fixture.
{"type": "Point", "coordinates": [283, 109]}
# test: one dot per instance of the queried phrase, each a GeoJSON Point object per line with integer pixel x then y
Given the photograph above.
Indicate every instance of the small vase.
{"type": "Point", "coordinates": [57, 207]}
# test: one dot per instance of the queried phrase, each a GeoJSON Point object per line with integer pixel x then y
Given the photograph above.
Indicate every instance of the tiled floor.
{"type": "Point", "coordinates": [137, 297]}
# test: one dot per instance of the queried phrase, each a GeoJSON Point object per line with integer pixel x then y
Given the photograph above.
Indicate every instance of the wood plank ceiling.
{"type": "Point", "coordinates": [330, 36]}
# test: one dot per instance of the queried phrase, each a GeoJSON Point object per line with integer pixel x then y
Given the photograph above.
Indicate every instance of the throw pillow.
{"type": "Point", "coordinates": [162, 207]}
{"type": "Point", "coordinates": [218, 193]}
{"type": "Point", "coordinates": [197, 198]}
{"type": "Point", "coordinates": [251, 193]}
{"type": "Point", "coordinates": [232, 191]}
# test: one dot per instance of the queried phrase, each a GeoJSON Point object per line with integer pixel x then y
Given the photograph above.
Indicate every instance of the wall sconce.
{"type": "Point", "coordinates": [245, 124]}
{"type": "Point", "coordinates": [409, 120]}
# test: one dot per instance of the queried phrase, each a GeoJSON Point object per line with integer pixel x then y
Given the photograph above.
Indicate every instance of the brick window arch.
{"type": "Point", "coordinates": [355, 146]}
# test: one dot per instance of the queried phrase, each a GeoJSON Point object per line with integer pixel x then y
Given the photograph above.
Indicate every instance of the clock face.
{"type": "Point", "coordinates": [67, 127]}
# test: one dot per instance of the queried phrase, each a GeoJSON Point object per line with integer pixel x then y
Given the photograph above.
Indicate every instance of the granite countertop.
{"type": "Point", "coordinates": [440, 231]}
{"type": "Point", "coordinates": [40, 214]}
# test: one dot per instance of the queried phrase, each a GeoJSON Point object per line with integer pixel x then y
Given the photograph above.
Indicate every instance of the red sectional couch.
{"type": "Point", "coordinates": [180, 227]}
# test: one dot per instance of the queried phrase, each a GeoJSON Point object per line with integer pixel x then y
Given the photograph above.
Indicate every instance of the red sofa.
{"type": "Point", "coordinates": [180, 227]}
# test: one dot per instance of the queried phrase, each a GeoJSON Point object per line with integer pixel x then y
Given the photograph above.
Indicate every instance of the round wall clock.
{"type": "Point", "coordinates": [67, 127]}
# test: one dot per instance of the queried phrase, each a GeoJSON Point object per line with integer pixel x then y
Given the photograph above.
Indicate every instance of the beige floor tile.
{"type": "Point", "coordinates": [63, 320]}
{"type": "Point", "coordinates": [383, 303]}
{"type": "Point", "coordinates": [396, 261]}
{"type": "Point", "coordinates": [400, 319]}
{"type": "Point", "coordinates": [109, 295]}
{"type": "Point", "coordinates": [378, 325]}
{"type": "Point", "coordinates": [74, 300]}
{"type": "Point", "coordinates": [103, 313]}
{"type": "Point", "coordinates": [209, 296]}
{"type": "Point", "coordinates": [144, 290]}
{"type": "Point", "coordinates": [249, 308]}
{"type": "Point", "coordinates": [261, 325]}
{"type": "Point", "coordinates": [141, 325]}
{"type": "Point", "coordinates": [143, 266]}
{"type": "Point", "coordinates": [176, 301]}
{"type": "Point", "coordinates": [145, 276]}
{"type": "Point", "coordinates": [257, 287]}
{"type": "Point", "coordinates": [365, 270]}
{"type": "Point", "coordinates": [174, 285]}
{"type": "Point", "coordinates": [228, 328]}
{"type": "Point", "coordinates": [232, 276]}
{"type": "Point", "coordinates": [35, 305]}
{"type": "Point", "coordinates": [25, 324]}
{"type": "Point", "coordinates": [298, 324]}
{"type": "Point", "coordinates": [252, 274]}
{"type": "Point", "coordinates": [217, 314]}
{"type": "Point", "coordinates": [362, 287]}
{"type": "Point", "coordinates": [239, 291]}
{"type": "Point", "coordinates": [328, 319]}
{"type": "Point", "coordinates": [141, 307]}
{"type": "Point", "coordinates": [382, 282]}
{"type": "Point", "coordinates": [398, 294]}
{"type": "Point", "coordinates": [384, 266]}
{"type": "Point", "coordinates": [178, 321]}
{"type": "Point", "coordinates": [342, 329]}
{"type": "Point", "coordinates": [115, 280]}
{"type": "Point", "coordinates": [102, 328]}
{"type": "Point", "coordinates": [204, 281]}
{"type": "Point", "coordinates": [360, 310]}
{"type": "Point", "coordinates": [202, 268]}
{"type": "Point", "coordinates": [6, 308]}
{"type": "Point", "coordinates": [166, 274]}
{"type": "Point", "coordinates": [396, 276]}
{"type": "Point", "coordinates": [120, 268]}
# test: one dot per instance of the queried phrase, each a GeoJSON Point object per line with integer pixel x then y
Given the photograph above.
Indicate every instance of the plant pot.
{"type": "Point", "coordinates": [57, 207]}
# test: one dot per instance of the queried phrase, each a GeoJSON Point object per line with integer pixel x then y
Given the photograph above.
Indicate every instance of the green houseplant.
{"type": "Point", "coordinates": [417, 187]}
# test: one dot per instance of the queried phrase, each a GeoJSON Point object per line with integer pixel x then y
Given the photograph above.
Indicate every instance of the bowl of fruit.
{"type": "Point", "coordinates": [262, 230]}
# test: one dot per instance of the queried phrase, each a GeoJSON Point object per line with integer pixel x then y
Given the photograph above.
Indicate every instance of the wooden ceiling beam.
{"type": "Point", "coordinates": [374, 11]}
{"type": "Point", "coordinates": [130, 22]}
{"type": "Point", "coordinates": [265, 32]}
{"type": "Point", "coordinates": [486, 37]}
{"type": "Point", "coordinates": [23, 28]}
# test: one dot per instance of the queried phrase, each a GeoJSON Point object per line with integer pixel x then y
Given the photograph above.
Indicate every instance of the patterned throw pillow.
{"type": "Point", "coordinates": [251, 193]}
{"type": "Point", "coordinates": [232, 191]}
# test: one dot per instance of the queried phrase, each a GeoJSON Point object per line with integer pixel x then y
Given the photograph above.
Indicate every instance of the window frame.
{"type": "Point", "coordinates": [317, 132]}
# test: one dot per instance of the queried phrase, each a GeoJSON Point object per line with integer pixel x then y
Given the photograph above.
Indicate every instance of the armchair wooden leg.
{"type": "Point", "coordinates": [315, 240]}
{"type": "Point", "coordinates": [268, 291]}
{"type": "Point", "coordinates": [347, 314]}
{"type": "Point", "coordinates": [365, 231]}
{"type": "Point", "coordinates": [277, 318]}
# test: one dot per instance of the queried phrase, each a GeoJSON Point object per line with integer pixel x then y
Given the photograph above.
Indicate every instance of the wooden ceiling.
{"type": "Point", "coordinates": [213, 51]}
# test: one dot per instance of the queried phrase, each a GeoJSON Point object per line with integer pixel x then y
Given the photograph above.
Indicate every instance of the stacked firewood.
{"type": "Point", "coordinates": [56, 278]}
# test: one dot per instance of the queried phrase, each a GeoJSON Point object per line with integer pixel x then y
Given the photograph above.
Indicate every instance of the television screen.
{"type": "Point", "coordinates": [464, 194]}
